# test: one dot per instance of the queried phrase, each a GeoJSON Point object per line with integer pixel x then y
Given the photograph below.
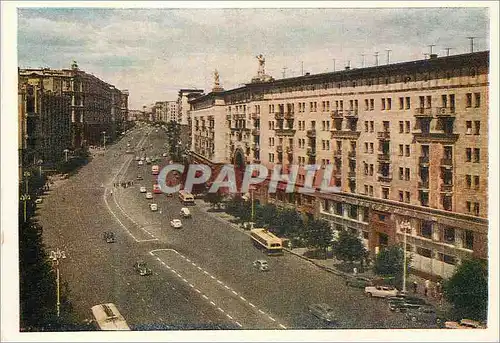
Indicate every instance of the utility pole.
{"type": "Point", "coordinates": [388, 55]}
{"type": "Point", "coordinates": [376, 58]}
{"type": "Point", "coordinates": [284, 71]}
{"type": "Point", "coordinates": [471, 43]}
{"type": "Point", "coordinates": [55, 256]}
{"type": "Point", "coordinates": [447, 51]}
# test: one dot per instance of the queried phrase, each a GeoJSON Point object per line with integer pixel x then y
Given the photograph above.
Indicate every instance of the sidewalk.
{"type": "Point", "coordinates": [331, 264]}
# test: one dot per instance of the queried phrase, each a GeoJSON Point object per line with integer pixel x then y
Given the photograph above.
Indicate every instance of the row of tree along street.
{"type": "Point", "coordinates": [466, 290]}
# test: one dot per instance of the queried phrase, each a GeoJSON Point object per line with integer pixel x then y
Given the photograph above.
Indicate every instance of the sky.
{"type": "Point", "coordinates": [154, 52]}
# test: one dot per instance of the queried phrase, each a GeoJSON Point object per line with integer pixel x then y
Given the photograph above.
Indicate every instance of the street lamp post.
{"type": "Point", "coordinates": [104, 139]}
{"type": "Point", "coordinates": [55, 256]}
{"type": "Point", "coordinates": [405, 226]}
{"type": "Point", "coordinates": [25, 198]}
{"type": "Point", "coordinates": [40, 162]}
{"type": "Point", "coordinates": [66, 154]}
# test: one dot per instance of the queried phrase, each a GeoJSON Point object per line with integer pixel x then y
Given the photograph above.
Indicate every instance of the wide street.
{"type": "Point", "coordinates": [202, 274]}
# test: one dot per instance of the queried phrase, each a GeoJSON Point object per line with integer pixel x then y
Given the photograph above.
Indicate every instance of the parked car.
{"type": "Point", "coordinates": [153, 207]}
{"type": "Point", "coordinates": [142, 189]}
{"type": "Point", "coordinates": [185, 213]}
{"type": "Point", "coordinates": [137, 158]}
{"type": "Point", "coordinates": [109, 237]}
{"type": "Point", "coordinates": [464, 324]}
{"type": "Point", "coordinates": [425, 314]}
{"type": "Point", "coordinates": [261, 265]}
{"type": "Point", "coordinates": [358, 282]}
{"type": "Point", "coordinates": [176, 223]}
{"type": "Point", "coordinates": [139, 177]}
{"type": "Point", "coordinates": [140, 163]}
{"type": "Point", "coordinates": [401, 303]}
{"type": "Point", "coordinates": [323, 311]}
{"type": "Point", "coordinates": [149, 195]}
{"type": "Point", "coordinates": [381, 291]}
{"type": "Point", "coordinates": [38, 201]}
{"type": "Point", "coordinates": [142, 268]}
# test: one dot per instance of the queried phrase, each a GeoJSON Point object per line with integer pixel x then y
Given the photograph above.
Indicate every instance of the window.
{"type": "Point", "coordinates": [444, 101]}
{"type": "Point", "coordinates": [426, 229]}
{"type": "Point", "coordinates": [372, 126]}
{"type": "Point", "coordinates": [468, 206]}
{"type": "Point", "coordinates": [367, 107]}
{"type": "Point", "coordinates": [468, 127]}
{"type": "Point", "coordinates": [407, 126]}
{"type": "Point", "coordinates": [449, 235]}
{"type": "Point", "coordinates": [476, 209]}
{"type": "Point", "coordinates": [371, 148]}
{"type": "Point", "coordinates": [401, 149]}
{"type": "Point", "coordinates": [385, 193]}
{"type": "Point", "coordinates": [401, 173]}
{"type": "Point", "coordinates": [407, 174]}
{"type": "Point", "coordinates": [401, 127]}
{"type": "Point", "coordinates": [477, 99]}
{"type": "Point", "coordinates": [407, 103]}
{"type": "Point", "coordinates": [338, 208]}
{"type": "Point", "coordinates": [468, 181]}
{"type": "Point", "coordinates": [424, 252]}
{"type": "Point", "coordinates": [476, 182]}
{"type": "Point", "coordinates": [353, 212]}
{"type": "Point", "coordinates": [366, 189]}
{"type": "Point", "coordinates": [271, 157]}
{"type": "Point", "coordinates": [389, 104]}
{"type": "Point", "coordinates": [468, 240]}
{"type": "Point", "coordinates": [476, 155]}
{"type": "Point", "coordinates": [407, 150]}
{"type": "Point", "coordinates": [468, 155]}
{"type": "Point", "coordinates": [401, 103]}
{"type": "Point", "coordinates": [401, 196]}
{"type": "Point", "coordinates": [371, 190]}
{"type": "Point", "coordinates": [383, 104]}
{"type": "Point", "coordinates": [381, 217]}
{"type": "Point", "coordinates": [448, 259]}
{"type": "Point", "coordinates": [422, 101]}
{"type": "Point", "coordinates": [468, 100]}
{"type": "Point", "coordinates": [407, 196]}
{"type": "Point", "coordinates": [477, 127]}
{"type": "Point", "coordinates": [366, 147]}
{"type": "Point", "coordinates": [372, 104]}
{"type": "Point", "coordinates": [366, 126]}
{"type": "Point", "coordinates": [429, 101]}
{"type": "Point", "coordinates": [371, 170]}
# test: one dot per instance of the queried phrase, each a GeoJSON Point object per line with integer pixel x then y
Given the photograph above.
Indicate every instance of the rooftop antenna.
{"type": "Point", "coordinates": [363, 64]}
{"type": "Point", "coordinates": [376, 58]}
{"type": "Point", "coordinates": [448, 51]}
{"type": "Point", "coordinates": [284, 71]}
{"type": "Point", "coordinates": [388, 55]}
{"type": "Point", "coordinates": [471, 43]}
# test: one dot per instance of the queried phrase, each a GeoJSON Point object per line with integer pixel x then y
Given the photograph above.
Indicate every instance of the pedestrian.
{"type": "Point", "coordinates": [438, 289]}
{"type": "Point", "coordinates": [355, 271]}
{"type": "Point", "coordinates": [415, 287]}
{"type": "Point", "coordinates": [111, 192]}
{"type": "Point", "coordinates": [427, 285]}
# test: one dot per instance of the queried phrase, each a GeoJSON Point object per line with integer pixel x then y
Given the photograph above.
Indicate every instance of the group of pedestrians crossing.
{"type": "Point", "coordinates": [123, 184]}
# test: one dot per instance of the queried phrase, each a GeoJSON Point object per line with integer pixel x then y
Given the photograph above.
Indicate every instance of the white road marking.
{"type": "Point", "coordinates": [219, 281]}
{"type": "Point", "coordinates": [227, 315]}
{"type": "Point", "coordinates": [184, 280]}
{"type": "Point", "coordinates": [271, 318]}
{"type": "Point", "coordinates": [238, 324]}
{"type": "Point", "coordinates": [204, 296]}
{"type": "Point", "coordinates": [199, 267]}
{"type": "Point", "coordinates": [261, 311]}
{"type": "Point", "coordinates": [234, 292]}
{"type": "Point", "coordinates": [197, 290]}
{"type": "Point", "coordinates": [188, 260]}
{"type": "Point", "coordinates": [194, 264]}
{"type": "Point", "coordinates": [282, 326]}
{"type": "Point", "coordinates": [213, 277]}
{"type": "Point", "coordinates": [220, 309]}
{"type": "Point", "coordinates": [206, 272]}
{"type": "Point", "coordinates": [243, 298]}
{"type": "Point", "coordinates": [226, 286]}
{"type": "Point", "coordinates": [251, 305]}
{"type": "Point", "coordinates": [212, 303]}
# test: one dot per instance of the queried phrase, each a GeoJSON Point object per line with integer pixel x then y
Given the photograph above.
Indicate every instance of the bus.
{"type": "Point", "coordinates": [155, 170]}
{"type": "Point", "coordinates": [265, 240]}
{"type": "Point", "coordinates": [108, 318]}
{"type": "Point", "coordinates": [186, 198]}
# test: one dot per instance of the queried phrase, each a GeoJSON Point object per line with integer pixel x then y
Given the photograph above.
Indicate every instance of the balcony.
{"type": "Point", "coordinates": [336, 134]}
{"type": "Point", "coordinates": [256, 132]}
{"type": "Point", "coordinates": [255, 116]}
{"type": "Point", "coordinates": [423, 112]}
{"type": "Point", "coordinates": [351, 155]}
{"type": "Point", "coordinates": [337, 154]}
{"type": "Point", "coordinates": [255, 147]}
{"type": "Point", "coordinates": [436, 137]}
{"type": "Point", "coordinates": [351, 175]}
{"type": "Point", "coordinates": [311, 152]}
{"type": "Point", "coordinates": [423, 185]}
{"type": "Point", "coordinates": [279, 116]}
{"type": "Point", "coordinates": [351, 114]}
{"type": "Point", "coordinates": [279, 148]}
{"type": "Point", "coordinates": [256, 161]}
{"type": "Point", "coordinates": [337, 114]}
{"type": "Point", "coordinates": [284, 132]}
{"type": "Point", "coordinates": [384, 157]}
{"type": "Point", "coordinates": [445, 112]}
{"type": "Point", "coordinates": [289, 150]}
{"type": "Point", "coordinates": [311, 133]}
{"type": "Point", "coordinates": [423, 161]}
{"type": "Point", "coordinates": [228, 117]}
{"type": "Point", "coordinates": [289, 115]}
{"type": "Point", "coordinates": [447, 162]}
{"type": "Point", "coordinates": [446, 188]}
{"type": "Point", "coordinates": [385, 178]}
{"type": "Point", "coordinates": [384, 135]}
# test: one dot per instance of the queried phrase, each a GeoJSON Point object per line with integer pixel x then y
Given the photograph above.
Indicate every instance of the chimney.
{"type": "Point", "coordinates": [433, 56]}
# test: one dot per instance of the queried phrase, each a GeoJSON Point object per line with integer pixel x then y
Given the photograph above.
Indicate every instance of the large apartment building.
{"type": "Point", "coordinates": [407, 142]}
{"type": "Point", "coordinates": [96, 106]}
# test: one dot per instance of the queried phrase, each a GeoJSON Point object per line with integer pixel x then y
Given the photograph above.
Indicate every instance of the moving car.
{"type": "Point", "coordinates": [140, 163]}
{"type": "Point", "coordinates": [381, 291]}
{"type": "Point", "coordinates": [149, 195]}
{"type": "Point", "coordinates": [142, 268]}
{"type": "Point", "coordinates": [109, 237]}
{"type": "Point", "coordinates": [322, 311]}
{"type": "Point", "coordinates": [142, 189]}
{"type": "Point", "coordinates": [156, 188]}
{"type": "Point", "coordinates": [358, 282]}
{"type": "Point", "coordinates": [261, 265]}
{"type": "Point", "coordinates": [137, 158]}
{"type": "Point", "coordinates": [139, 177]}
{"type": "Point", "coordinates": [38, 201]}
{"type": "Point", "coordinates": [464, 324]}
{"type": "Point", "coordinates": [401, 303]}
{"type": "Point", "coordinates": [153, 207]}
{"type": "Point", "coordinates": [164, 154]}
{"type": "Point", "coordinates": [176, 223]}
{"type": "Point", "coordinates": [185, 212]}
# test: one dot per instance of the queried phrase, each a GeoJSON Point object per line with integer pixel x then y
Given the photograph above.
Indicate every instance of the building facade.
{"type": "Point", "coordinates": [406, 144]}
{"type": "Point", "coordinates": [96, 106]}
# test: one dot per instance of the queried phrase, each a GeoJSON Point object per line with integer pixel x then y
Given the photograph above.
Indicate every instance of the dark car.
{"type": "Point", "coordinates": [109, 237]}
{"type": "Point", "coordinates": [323, 311]}
{"type": "Point", "coordinates": [139, 177]}
{"type": "Point", "coordinates": [402, 303]}
{"type": "Point", "coordinates": [358, 282]}
{"type": "Point", "coordinates": [142, 268]}
{"type": "Point", "coordinates": [426, 314]}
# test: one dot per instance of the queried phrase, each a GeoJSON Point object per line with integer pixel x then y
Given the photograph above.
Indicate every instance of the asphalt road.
{"type": "Point", "coordinates": [202, 273]}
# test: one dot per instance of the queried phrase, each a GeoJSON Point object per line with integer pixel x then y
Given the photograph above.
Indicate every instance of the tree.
{"type": "Point", "coordinates": [467, 290]}
{"type": "Point", "coordinates": [390, 262]}
{"type": "Point", "coordinates": [318, 234]}
{"type": "Point", "coordinates": [215, 199]}
{"type": "Point", "coordinates": [265, 215]}
{"type": "Point", "coordinates": [287, 222]}
{"type": "Point", "coordinates": [349, 247]}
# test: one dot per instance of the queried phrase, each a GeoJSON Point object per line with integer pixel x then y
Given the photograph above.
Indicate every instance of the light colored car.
{"type": "Point", "coordinates": [137, 158]}
{"type": "Point", "coordinates": [464, 324]}
{"type": "Point", "coordinates": [164, 154]}
{"type": "Point", "coordinates": [381, 291]}
{"type": "Point", "coordinates": [142, 268]}
{"type": "Point", "coordinates": [153, 207]}
{"type": "Point", "coordinates": [149, 195]}
{"type": "Point", "coordinates": [142, 189]}
{"type": "Point", "coordinates": [261, 265]}
{"type": "Point", "coordinates": [185, 212]}
{"type": "Point", "coordinates": [142, 158]}
{"type": "Point", "coordinates": [38, 201]}
{"type": "Point", "coordinates": [322, 311]}
{"type": "Point", "coordinates": [140, 163]}
{"type": "Point", "coordinates": [176, 223]}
